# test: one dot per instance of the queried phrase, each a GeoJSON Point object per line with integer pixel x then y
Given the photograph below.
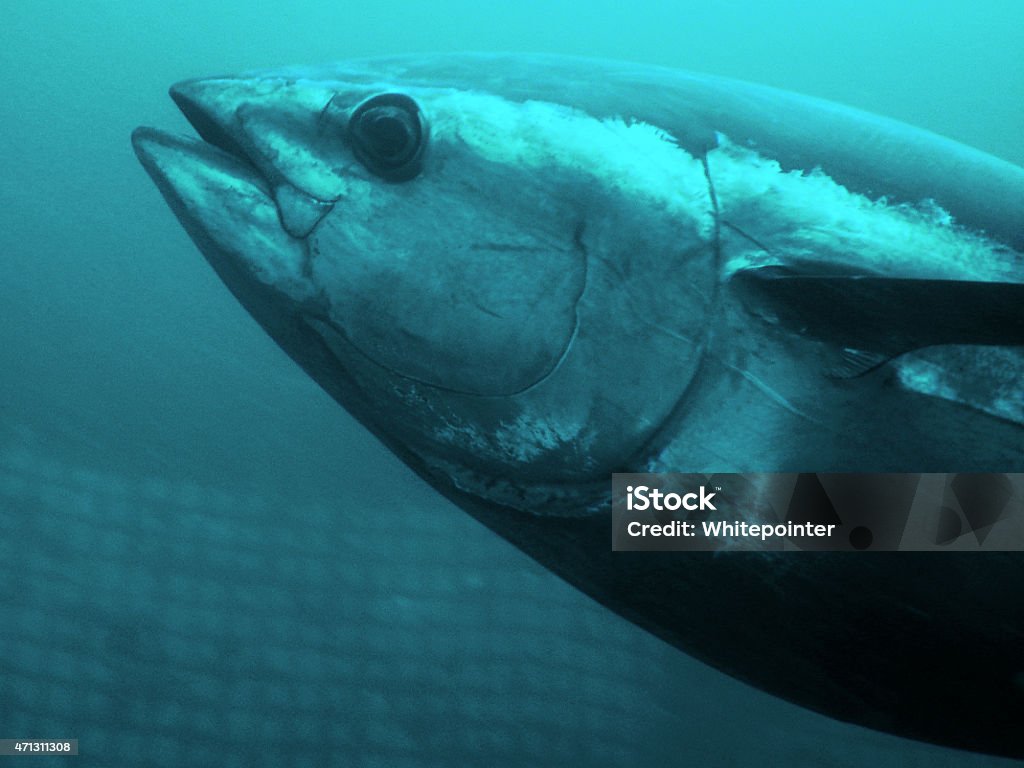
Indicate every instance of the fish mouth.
{"type": "Point", "coordinates": [207, 187]}
{"type": "Point", "coordinates": [222, 199]}
{"type": "Point", "coordinates": [210, 106]}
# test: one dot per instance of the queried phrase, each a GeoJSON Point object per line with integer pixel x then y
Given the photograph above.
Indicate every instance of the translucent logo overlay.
{"type": "Point", "coordinates": [818, 512]}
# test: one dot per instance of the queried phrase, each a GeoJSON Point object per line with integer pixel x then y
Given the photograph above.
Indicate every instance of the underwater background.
{"type": "Point", "coordinates": [204, 560]}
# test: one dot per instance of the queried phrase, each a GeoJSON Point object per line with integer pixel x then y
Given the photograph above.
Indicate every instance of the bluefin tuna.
{"type": "Point", "coordinates": [524, 273]}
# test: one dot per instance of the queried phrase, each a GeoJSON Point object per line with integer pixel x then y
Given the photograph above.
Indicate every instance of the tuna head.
{"type": "Point", "coordinates": [481, 280]}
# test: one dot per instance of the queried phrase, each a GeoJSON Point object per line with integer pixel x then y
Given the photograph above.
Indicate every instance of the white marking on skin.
{"type": "Point", "coordinates": [522, 440]}
{"type": "Point", "coordinates": [528, 437]}
{"type": "Point", "coordinates": [927, 377]}
{"type": "Point", "coordinates": [1000, 392]}
{"type": "Point", "coordinates": [639, 159]}
{"type": "Point", "coordinates": [463, 435]}
{"type": "Point", "coordinates": [808, 216]}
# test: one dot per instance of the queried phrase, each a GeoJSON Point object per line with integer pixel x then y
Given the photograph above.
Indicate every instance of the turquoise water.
{"type": "Point", "coordinates": [185, 557]}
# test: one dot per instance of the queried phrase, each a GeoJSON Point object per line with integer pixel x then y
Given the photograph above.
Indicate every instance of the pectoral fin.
{"type": "Point", "coordinates": [874, 319]}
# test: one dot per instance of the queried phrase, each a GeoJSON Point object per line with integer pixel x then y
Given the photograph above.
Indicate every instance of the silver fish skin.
{"type": "Point", "coordinates": [524, 273]}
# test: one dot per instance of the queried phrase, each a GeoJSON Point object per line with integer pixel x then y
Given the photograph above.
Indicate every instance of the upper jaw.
{"type": "Point", "coordinates": [210, 105]}
{"type": "Point", "coordinates": [292, 131]}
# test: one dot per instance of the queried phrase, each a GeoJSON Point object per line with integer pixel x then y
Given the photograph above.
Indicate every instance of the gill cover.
{"type": "Point", "coordinates": [508, 301]}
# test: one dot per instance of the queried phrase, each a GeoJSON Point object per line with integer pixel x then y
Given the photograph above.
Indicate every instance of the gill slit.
{"type": "Point", "coordinates": [645, 457]}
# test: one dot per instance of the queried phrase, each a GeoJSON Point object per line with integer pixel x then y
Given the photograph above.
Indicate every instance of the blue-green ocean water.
{"type": "Point", "coordinates": [193, 569]}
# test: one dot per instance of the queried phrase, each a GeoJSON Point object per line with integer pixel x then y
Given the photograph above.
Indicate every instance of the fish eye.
{"type": "Point", "coordinates": [388, 134]}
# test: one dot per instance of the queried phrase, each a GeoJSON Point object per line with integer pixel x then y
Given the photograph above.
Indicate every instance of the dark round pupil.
{"type": "Point", "coordinates": [389, 133]}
